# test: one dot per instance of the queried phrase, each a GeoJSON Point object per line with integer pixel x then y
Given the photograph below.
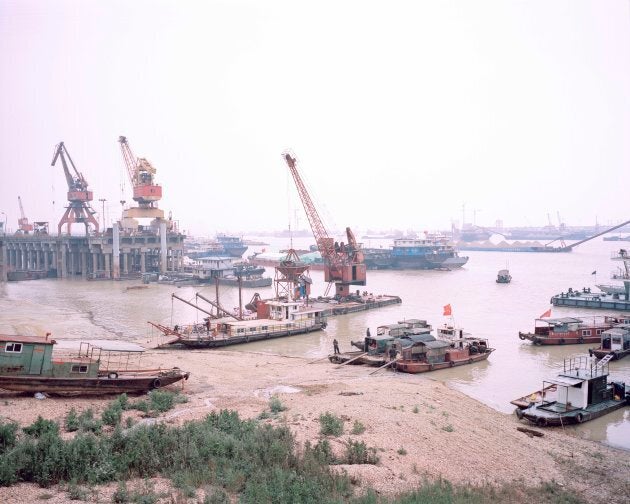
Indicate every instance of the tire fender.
{"type": "Point", "coordinates": [541, 422]}
{"type": "Point", "coordinates": [579, 417]}
{"type": "Point", "coordinates": [519, 413]}
{"type": "Point", "coordinates": [157, 383]}
{"type": "Point", "coordinates": [113, 375]}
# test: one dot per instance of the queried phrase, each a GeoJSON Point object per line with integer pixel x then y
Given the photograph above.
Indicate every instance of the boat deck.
{"type": "Point", "coordinates": [591, 300]}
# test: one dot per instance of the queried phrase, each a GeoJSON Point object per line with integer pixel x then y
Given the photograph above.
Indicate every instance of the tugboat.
{"type": "Point", "coordinates": [579, 393]}
{"type": "Point", "coordinates": [569, 330]}
{"type": "Point", "coordinates": [615, 342]}
{"type": "Point", "coordinates": [504, 276]}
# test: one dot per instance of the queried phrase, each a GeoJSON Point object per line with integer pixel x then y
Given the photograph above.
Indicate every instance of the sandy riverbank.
{"type": "Point", "coordinates": [442, 432]}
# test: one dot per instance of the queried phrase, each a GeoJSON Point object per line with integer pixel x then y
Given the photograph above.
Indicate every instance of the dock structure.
{"type": "Point", "coordinates": [113, 255]}
{"type": "Point", "coordinates": [601, 301]}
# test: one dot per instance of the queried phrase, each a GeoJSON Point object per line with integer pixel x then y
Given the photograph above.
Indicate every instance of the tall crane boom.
{"type": "Point", "coordinates": [79, 197]}
{"type": "Point", "coordinates": [141, 174]}
{"type": "Point", "coordinates": [343, 263]}
{"type": "Point", "coordinates": [23, 225]}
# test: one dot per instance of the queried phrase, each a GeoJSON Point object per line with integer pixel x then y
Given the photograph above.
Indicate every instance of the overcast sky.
{"type": "Point", "coordinates": [399, 112]}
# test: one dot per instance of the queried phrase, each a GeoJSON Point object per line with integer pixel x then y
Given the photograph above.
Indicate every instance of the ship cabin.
{"type": "Point", "coordinates": [424, 347]}
{"type": "Point", "coordinates": [616, 339]}
{"type": "Point", "coordinates": [25, 355]}
{"type": "Point", "coordinates": [211, 267]}
{"type": "Point", "coordinates": [33, 355]}
{"type": "Point", "coordinates": [391, 330]}
{"type": "Point", "coordinates": [582, 383]}
{"type": "Point", "coordinates": [293, 311]}
{"type": "Point", "coordinates": [451, 333]}
{"type": "Point", "coordinates": [570, 325]}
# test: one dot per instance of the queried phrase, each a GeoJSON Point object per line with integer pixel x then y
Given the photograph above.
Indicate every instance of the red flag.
{"type": "Point", "coordinates": [447, 310]}
{"type": "Point", "coordinates": [546, 314]}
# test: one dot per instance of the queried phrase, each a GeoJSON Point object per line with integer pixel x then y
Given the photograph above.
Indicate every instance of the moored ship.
{"type": "Point", "coordinates": [569, 330]}
{"type": "Point", "coordinates": [415, 253]}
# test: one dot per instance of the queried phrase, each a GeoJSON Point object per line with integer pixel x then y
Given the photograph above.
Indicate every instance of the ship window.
{"type": "Point", "coordinates": [599, 331]}
{"type": "Point", "coordinates": [264, 328]}
{"type": "Point", "coordinates": [586, 332]}
{"type": "Point", "coordinates": [79, 368]}
{"type": "Point", "coordinates": [252, 329]}
{"type": "Point", "coordinates": [13, 348]}
{"type": "Point", "coordinates": [240, 330]}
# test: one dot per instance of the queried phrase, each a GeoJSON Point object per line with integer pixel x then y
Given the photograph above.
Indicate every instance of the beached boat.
{"type": "Point", "coordinates": [272, 319]}
{"type": "Point", "coordinates": [579, 393]}
{"type": "Point", "coordinates": [422, 352]}
{"type": "Point", "coordinates": [503, 276]}
{"type": "Point", "coordinates": [569, 330]}
{"type": "Point", "coordinates": [374, 350]}
{"type": "Point", "coordinates": [614, 342]}
{"type": "Point", "coordinates": [28, 364]}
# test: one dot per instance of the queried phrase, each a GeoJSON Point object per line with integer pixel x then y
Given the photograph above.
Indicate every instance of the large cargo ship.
{"type": "Point", "coordinates": [415, 253]}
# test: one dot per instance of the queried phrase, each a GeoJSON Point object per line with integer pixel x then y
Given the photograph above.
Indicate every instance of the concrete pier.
{"type": "Point", "coordinates": [91, 257]}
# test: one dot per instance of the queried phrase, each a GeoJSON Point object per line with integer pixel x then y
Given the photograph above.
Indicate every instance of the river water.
{"type": "Point", "coordinates": [77, 309]}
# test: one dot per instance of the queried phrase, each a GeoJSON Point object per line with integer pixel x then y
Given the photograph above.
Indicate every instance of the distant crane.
{"type": "Point", "coordinates": [141, 174]}
{"type": "Point", "coordinates": [343, 264]}
{"type": "Point", "coordinates": [79, 209]}
{"type": "Point", "coordinates": [23, 225]}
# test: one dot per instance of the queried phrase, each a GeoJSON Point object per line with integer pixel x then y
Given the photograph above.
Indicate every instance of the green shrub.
{"type": "Point", "coordinates": [357, 452]}
{"type": "Point", "coordinates": [87, 422]}
{"type": "Point", "coordinates": [8, 436]}
{"type": "Point", "coordinates": [71, 423]}
{"type": "Point", "coordinates": [402, 451]}
{"type": "Point", "coordinates": [448, 428]}
{"type": "Point", "coordinates": [112, 415]}
{"type": "Point", "coordinates": [275, 405]}
{"type": "Point", "coordinates": [41, 427]}
{"type": "Point", "coordinates": [330, 425]}
{"type": "Point", "coordinates": [358, 428]}
{"type": "Point", "coordinates": [121, 495]}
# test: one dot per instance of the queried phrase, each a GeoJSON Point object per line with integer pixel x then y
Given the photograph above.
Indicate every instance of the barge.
{"type": "Point", "coordinates": [570, 330]}
{"type": "Point", "coordinates": [615, 342]}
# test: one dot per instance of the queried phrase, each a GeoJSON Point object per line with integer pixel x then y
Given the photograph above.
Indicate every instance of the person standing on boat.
{"type": "Point", "coordinates": [336, 346]}
{"type": "Point", "coordinates": [367, 333]}
{"type": "Point", "coordinates": [392, 352]}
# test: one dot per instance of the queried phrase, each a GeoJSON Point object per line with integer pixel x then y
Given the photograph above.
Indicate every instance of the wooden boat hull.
{"type": "Point", "coordinates": [368, 360]}
{"type": "Point", "coordinates": [543, 418]}
{"type": "Point", "coordinates": [208, 341]}
{"type": "Point", "coordinates": [407, 366]}
{"type": "Point", "coordinates": [538, 339]}
{"type": "Point", "coordinates": [616, 355]}
{"type": "Point", "coordinates": [114, 383]}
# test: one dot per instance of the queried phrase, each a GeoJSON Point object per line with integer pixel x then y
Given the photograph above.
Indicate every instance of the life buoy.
{"type": "Point", "coordinates": [541, 422]}
{"type": "Point", "coordinates": [579, 417]}
{"type": "Point", "coordinates": [157, 383]}
{"type": "Point", "coordinates": [521, 335]}
{"type": "Point", "coordinates": [112, 375]}
{"type": "Point", "coordinates": [519, 413]}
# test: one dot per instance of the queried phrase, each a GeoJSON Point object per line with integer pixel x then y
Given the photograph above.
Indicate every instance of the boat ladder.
{"type": "Point", "coordinates": [602, 362]}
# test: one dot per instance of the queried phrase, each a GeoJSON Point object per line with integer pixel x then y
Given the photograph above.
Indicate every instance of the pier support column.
{"type": "Point", "coordinates": [46, 263]}
{"type": "Point", "coordinates": [143, 262]}
{"type": "Point", "coordinates": [163, 248]}
{"type": "Point", "coordinates": [116, 251]}
{"type": "Point", "coordinates": [4, 261]}
{"type": "Point", "coordinates": [107, 269]}
{"type": "Point", "coordinates": [38, 264]}
{"type": "Point", "coordinates": [62, 263]}
{"type": "Point", "coordinates": [84, 265]}
{"type": "Point", "coordinates": [24, 260]}
{"type": "Point", "coordinates": [73, 267]}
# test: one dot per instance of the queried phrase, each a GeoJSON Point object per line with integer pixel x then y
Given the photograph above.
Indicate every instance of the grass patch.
{"type": "Point", "coordinates": [358, 428]}
{"type": "Point", "coordinates": [275, 405]}
{"type": "Point", "coordinates": [402, 451]}
{"type": "Point", "coordinates": [416, 409]}
{"type": "Point", "coordinates": [330, 425]}
{"type": "Point", "coordinates": [448, 428]}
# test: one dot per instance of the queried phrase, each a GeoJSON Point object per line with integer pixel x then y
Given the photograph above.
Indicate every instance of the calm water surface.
{"type": "Point", "coordinates": [76, 309]}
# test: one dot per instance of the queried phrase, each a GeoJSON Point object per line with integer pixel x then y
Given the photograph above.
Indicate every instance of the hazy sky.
{"type": "Point", "coordinates": [398, 112]}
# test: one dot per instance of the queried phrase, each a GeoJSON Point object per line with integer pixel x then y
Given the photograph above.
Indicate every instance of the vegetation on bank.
{"type": "Point", "coordinates": [222, 455]}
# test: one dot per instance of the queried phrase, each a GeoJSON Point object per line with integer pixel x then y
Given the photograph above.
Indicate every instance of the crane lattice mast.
{"type": "Point", "coordinates": [23, 225]}
{"type": "Point", "coordinates": [79, 197]}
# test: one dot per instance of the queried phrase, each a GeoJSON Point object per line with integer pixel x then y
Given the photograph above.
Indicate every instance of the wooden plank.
{"type": "Point", "coordinates": [351, 360]}
{"type": "Point", "coordinates": [530, 432]}
{"type": "Point", "coordinates": [383, 366]}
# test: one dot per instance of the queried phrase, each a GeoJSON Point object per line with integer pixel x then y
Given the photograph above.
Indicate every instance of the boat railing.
{"type": "Point", "coordinates": [585, 366]}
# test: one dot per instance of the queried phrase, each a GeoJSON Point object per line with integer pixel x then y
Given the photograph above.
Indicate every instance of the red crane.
{"type": "Point", "coordinates": [343, 263]}
{"type": "Point", "coordinates": [24, 226]}
{"type": "Point", "coordinates": [141, 174]}
{"type": "Point", "coordinates": [79, 209]}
